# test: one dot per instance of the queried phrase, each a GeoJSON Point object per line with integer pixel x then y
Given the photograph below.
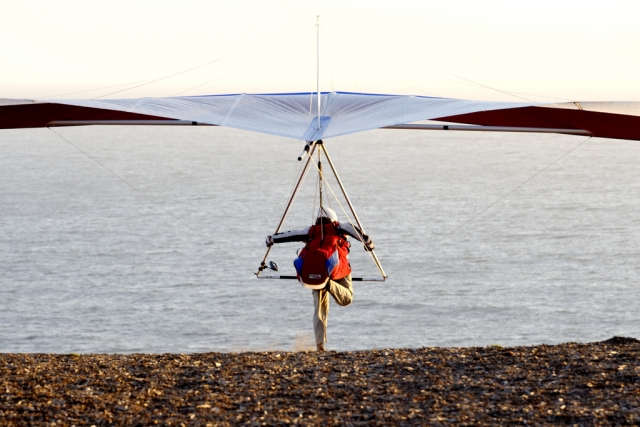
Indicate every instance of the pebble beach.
{"type": "Point", "coordinates": [567, 384]}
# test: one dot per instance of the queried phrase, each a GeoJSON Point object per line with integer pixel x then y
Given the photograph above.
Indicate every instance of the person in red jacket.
{"type": "Point", "coordinates": [323, 264]}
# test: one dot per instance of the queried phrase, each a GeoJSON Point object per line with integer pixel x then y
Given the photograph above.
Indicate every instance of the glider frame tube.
{"type": "Point", "coordinates": [309, 150]}
{"type": "Point", "coordinates": [58, 123]}
{"type": "Point", "coordinates": [473, 128]}
{"type": "Point", "coordinates": [409, 126]}
{"type": "Point", "coordinates": [355, 279]}
{"type": "Point", "coordinates": [353, 211]}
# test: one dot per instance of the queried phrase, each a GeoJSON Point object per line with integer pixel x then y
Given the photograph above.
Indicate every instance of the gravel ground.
{"type": "Point", "coordinates": [567, 384]}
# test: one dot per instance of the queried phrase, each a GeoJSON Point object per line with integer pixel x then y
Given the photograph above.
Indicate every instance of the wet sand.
{"type": "Point", "coordinates": [567, 384]}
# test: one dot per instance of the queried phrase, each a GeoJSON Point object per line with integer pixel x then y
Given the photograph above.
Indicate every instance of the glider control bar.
{"type": "Point", "coordinates": [491, 129]}
{"type": "Point", "coordinates": [309, 148]}
{"type": "Point", "coordinates": [56, 123]}
{"type": "Point", "coordinates": [355, 279]}
{"type": "Point", "coordinates": [308, 151]}
{"type": "Point", "coordinates": [353, 211]}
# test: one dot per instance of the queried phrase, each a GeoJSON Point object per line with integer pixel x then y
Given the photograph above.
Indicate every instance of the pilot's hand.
{"type": "Point", "coordinates": [269, 241]}
{"type": "Point", "coordinates": [368, 243]}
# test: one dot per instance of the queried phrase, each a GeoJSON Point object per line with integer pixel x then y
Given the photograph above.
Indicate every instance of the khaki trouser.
{"type": "Point", "coordinates": [342, 291]}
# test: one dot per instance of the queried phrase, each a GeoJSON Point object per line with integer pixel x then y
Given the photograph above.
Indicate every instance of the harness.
{"type": "Point", "coordinates": [324, 257]}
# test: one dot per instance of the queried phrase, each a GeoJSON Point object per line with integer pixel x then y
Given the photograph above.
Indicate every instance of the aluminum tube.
{"type": "Point", "coordinates": [353, 211]}
{"type": "Point", "coordinates": [290, 202]}
{"type": "Point", "coordinates": [355, 279]}
{"type": "Point", "coordinates": [490, 129]}
{"type": "Point", "coordinates": [318, 67]}
{"type": "Point", "coordinates": [297, 188]}
{"type": "Point", "coordinates": [56, 123]}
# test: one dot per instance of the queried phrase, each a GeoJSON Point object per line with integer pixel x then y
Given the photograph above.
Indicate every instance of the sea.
{"type": "Point", "coordinates": [146, 240]}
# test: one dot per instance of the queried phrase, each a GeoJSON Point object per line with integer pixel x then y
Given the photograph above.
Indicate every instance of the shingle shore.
{"type": "Point", "coordinates": [567, 384]}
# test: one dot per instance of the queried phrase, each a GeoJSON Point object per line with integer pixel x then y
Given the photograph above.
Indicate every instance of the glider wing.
{"type": "Point", "coordinates": [289, 115]}
{"type": "Point", "coordinates": [292, 114]}
{"type": "Point", "coordinates": [618, 120]}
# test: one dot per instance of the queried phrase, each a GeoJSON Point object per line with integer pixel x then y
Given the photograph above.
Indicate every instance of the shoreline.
{"type": "Point", "coordinates": [564, 384]}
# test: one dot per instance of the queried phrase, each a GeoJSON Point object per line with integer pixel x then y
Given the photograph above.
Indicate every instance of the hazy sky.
{"type": "Point", "coordinates": [567, 49]}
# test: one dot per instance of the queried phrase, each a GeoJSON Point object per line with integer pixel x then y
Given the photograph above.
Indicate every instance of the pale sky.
{"type": "Point", "coordinates": [565, 49]}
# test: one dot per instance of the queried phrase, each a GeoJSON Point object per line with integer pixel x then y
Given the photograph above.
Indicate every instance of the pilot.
{"type": "Point", "coordinates": [323, 264]}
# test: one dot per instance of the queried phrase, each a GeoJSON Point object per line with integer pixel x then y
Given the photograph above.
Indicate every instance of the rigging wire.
{"type": "Point", "coordinates": [93, 90]}
{"type": "Point", "coordinates": [355, 227]}
{"type": "Point", "coordinates": [293, 187]}
{"type": "Point", "coordinates": [324, 46]}
{"type": "Point", "coordinates": [490, 206]}
{"type": "Point", "coordinates": [292, 52]}
{"type": "Point", "coordinates": [365, 59]}
{"type": "Point", "coordinates": [349, 68]}
{"type": "Point", "coordinates": [232, 71]}
{"type": "Point", "coordinates": [513, 94]}
{"type": "Point", "coordinates": [294, 196]}
{"type": "Point", "coordinates": [152, 201]}
{"type": "Point", "coordinates": [322, 178]}
{"type": "Point", "coordinates": [315, 196]}
{"type": "Point", "coordinates": [208, 63]}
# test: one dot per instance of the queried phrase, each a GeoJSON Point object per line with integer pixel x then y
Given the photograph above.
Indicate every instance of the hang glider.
{"type": "Point", "coordinates": [295, 115]}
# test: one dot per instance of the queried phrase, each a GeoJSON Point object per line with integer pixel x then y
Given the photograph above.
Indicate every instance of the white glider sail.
{"type": "Point", "coordinates": [295, 115]}
{"type": "Point", "coordinates": [289, 114]}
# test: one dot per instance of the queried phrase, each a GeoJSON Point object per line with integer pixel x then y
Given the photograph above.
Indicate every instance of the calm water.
{"type": "Point", "coordinates": [87, 264]}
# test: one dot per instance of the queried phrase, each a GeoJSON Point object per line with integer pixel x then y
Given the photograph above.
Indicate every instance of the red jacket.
{"type": "Point", "coordinates": [328, 239]}
{"type": "Point", "coordinates": [326, 256]}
